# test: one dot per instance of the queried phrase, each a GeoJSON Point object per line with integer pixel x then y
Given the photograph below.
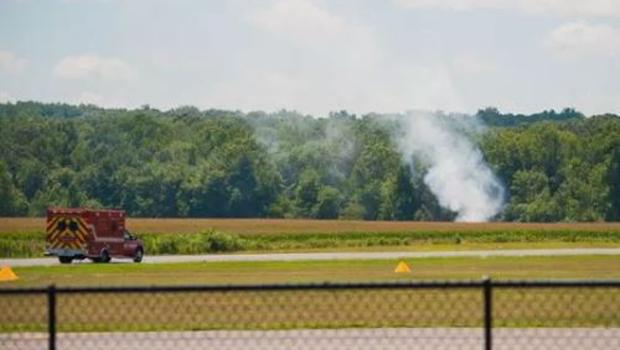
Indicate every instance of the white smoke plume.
{"type": "Point", "coordinates": [457, 173]}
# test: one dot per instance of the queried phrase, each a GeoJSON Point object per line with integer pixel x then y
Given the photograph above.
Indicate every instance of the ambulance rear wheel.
{"type": "Point", "coordinates": [105, 257]}
{"type": "Point", "coordinates": [65, 259]}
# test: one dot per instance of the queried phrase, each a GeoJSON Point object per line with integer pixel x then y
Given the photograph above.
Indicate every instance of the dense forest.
{"type": "Point", "coordinates": [184, 162]}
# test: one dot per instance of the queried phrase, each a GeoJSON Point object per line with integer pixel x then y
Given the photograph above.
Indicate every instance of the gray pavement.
{"type": "Point", "coordinates": [158, 259]}
{"type": "Point", "coordinates": [328, 339]}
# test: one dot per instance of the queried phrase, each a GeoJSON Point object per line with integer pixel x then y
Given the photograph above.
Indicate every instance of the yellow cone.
{"type": "Point", "coordinates": [402, 267]}
{"type": "Point", "coordinates": [6, 274]}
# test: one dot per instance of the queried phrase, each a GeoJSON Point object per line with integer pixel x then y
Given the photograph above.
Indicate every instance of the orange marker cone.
{"type": "Point", "coordinates": [402, 267]}
{"type": "Point", "coordinates": [6, 274]}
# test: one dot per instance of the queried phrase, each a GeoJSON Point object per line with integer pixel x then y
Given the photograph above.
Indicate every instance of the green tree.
{"type": "Point", "coordinates": [12, 202]}
{"type": "Point", "coordinates": [613, 179]}
{"type": "Point", "coordinates": [328, 203]}
{"type": "Point", "coordinates": [531, 199]}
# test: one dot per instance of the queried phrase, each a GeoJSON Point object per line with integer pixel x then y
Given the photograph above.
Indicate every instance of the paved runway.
{"type": "Point", "coordinates": [332, 339]}
{"type": "Point", "coordinates": [157, 259]}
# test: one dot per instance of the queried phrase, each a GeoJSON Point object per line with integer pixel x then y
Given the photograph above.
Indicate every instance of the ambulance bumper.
{"type": "Point", "coordinates": [64, 252]}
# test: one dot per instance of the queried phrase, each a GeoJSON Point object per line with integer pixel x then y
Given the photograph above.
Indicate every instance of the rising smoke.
{"type": "Point", "coordinates": [440, 146]}
{"type": "Point", "coordinates": [457, 173]}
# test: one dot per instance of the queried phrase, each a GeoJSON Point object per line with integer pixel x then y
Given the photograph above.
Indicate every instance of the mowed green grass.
{"type": "Point", "coordinates": [564, 307]}
{"type": "Point", "coordinates": [572, 267]}
{"type": "Point", "coordinates": [367, 308]}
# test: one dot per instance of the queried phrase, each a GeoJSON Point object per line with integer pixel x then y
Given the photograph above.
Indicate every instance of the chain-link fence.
{"type": "Point", "coordinates": [417, 315]}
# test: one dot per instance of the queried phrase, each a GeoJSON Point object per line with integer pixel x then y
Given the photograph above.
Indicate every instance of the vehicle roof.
{"type": "Point", "coordinates": [59, 210]}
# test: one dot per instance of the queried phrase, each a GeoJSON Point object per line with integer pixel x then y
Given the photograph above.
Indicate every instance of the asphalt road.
{"type": "Point", "coordinates": [159, 259]}
{"type": "Point", "coordinates": [328, 339]}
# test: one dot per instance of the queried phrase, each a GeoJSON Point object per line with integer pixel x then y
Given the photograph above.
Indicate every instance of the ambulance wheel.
{"type": "Point", "coordinates": [65, 259]}
{"type": "Point", "coordinates": [138, 256]}
{"type": "Point", "coordinates": [105, 257]}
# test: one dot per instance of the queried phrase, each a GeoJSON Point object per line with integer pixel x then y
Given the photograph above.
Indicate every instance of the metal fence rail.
{"type": "Point", "coordinates": [482, 314]}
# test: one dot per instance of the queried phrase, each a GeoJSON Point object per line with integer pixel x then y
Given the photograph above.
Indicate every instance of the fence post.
{"type": "Point", "coordinates": [51, 316]}
{"type": "Point", "coordinates": [488, 313]}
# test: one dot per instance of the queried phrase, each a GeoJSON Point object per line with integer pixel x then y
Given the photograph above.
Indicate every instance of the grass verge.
{"type": "Point", "coordinates": [539, 267]}
{"type": "Point", "coordinates": [564, 307]}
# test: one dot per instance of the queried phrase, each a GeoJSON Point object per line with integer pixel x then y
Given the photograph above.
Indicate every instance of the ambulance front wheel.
{"type": "Point", "coordinates": [138, 255]}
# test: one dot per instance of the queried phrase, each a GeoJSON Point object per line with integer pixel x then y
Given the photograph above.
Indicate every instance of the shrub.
{"type": "Point", "coordinates": [213, 241]}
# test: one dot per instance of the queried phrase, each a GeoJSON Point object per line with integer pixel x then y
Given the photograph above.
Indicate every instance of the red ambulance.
{"type": "Point", "coordinates": [99, 235]}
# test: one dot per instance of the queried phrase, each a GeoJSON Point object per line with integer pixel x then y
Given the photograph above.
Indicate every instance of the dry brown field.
{"type": "Point", "coordinates": [301, 226]}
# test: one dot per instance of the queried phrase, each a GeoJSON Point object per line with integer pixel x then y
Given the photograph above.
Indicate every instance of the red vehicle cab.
{"type": "Point", "coordinates": [99, 235]}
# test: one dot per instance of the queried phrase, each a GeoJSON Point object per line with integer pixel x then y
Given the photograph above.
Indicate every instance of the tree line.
{"type": "Point", "coordinates": [186, 162]}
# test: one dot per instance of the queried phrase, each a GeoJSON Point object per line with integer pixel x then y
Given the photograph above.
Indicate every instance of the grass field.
{"type": "Point", "coordinates": [316, 309]}
{"type": "Point", "coordinates": [579, 267]}
{"type": "Point", "coordinates": [563, 307]}
{"type": "Point", "coordinates": [24, 237]}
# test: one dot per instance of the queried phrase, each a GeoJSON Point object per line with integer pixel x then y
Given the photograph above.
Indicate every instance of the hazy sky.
{"type": "Point", "coordinates": [314, 56]}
